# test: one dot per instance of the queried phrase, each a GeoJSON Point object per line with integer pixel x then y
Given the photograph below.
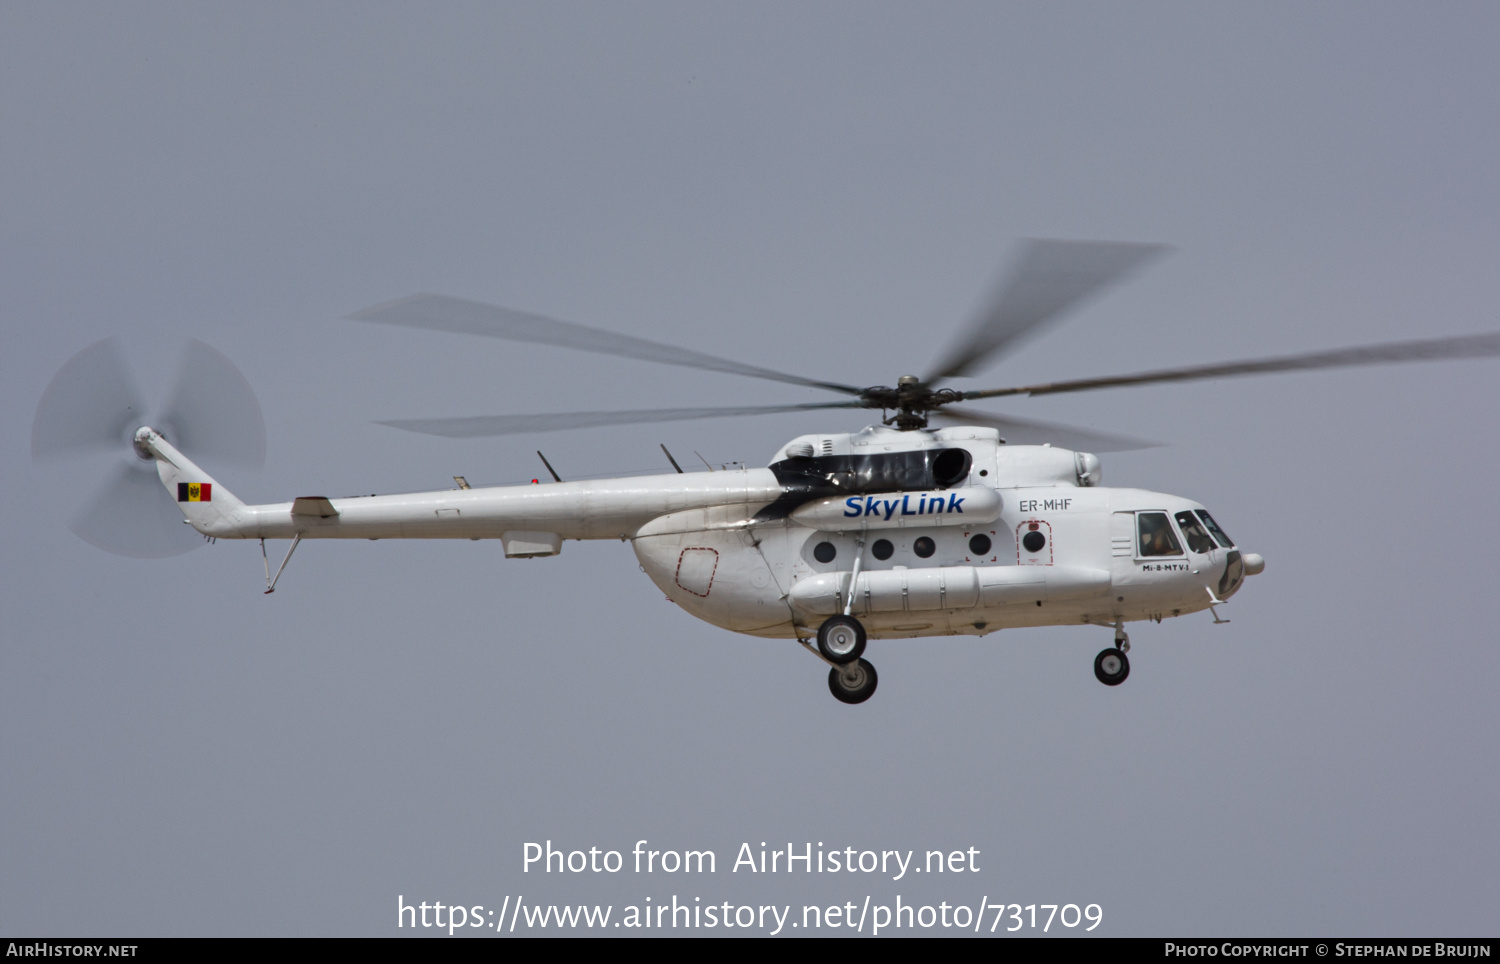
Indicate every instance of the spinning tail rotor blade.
{"type": "Point", "coordinates": [441, 313]}
{"type": "Point", "coordinates": [1023, 431]}
{"type": "Point", "coordinates": [133, 515]}
{"type": "Point", "coordinates": [1468, 346]}
{"type": "Point", "coordinates": [1048, 279]}
{"type": "Point", "coordinates": [213, 411]}
{"type": "Point", "coordinates": [91, 404]}
{"type": "Point", "coordinates": [489, 425]}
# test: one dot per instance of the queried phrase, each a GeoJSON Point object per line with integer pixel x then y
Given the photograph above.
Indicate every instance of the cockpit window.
{"type": "Point", "coordinates": [1157, 537]}
{"type": "Point", "coordinates": [1198, 538]}
{"type": "Point", "coordinates": [1213, 527]}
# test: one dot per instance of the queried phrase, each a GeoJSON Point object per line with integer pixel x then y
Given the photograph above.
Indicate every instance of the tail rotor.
{"type": "Point", "coordinates": [93, 406]}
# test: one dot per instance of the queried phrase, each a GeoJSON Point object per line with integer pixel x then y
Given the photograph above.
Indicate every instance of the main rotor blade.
{"type": "Point", "coordinates": [1467, 346]}
{"type": "Point", "coordinates": [90, 404]}
{"type": "Point", "coordinates": [133, 515]}
{"type": "Point", "coordinates": [441, 313]}
{"type": "Point", "coordinates": [213, 411]}
{"type": "Point", "coordinates": [1022, 431]}
{"type": "Point", "coordinates": [1047, 279]}
{"type": "Point", "coordinates": [487, 425]}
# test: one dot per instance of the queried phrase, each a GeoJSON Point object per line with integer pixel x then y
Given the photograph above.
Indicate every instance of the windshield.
{"type": "Point", "coordinates": [1198, 538]}
{"type": "Point", "coordinates": [1213, 527]}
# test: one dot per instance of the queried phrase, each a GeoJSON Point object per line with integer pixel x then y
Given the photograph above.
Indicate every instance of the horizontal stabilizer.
{"type": "Point", "coordinates": [314, 505]}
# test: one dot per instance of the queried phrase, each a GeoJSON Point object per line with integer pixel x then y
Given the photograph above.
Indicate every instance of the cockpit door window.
{"type": "Point", "coordinates": [1213, 527]}
{"type": "Point", "coordinates": [1157, 537]}
{"type": "Point", "coordinates": [1197, 537]}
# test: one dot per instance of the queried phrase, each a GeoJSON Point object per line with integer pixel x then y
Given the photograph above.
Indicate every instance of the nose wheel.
{"type": "Point", "coordinates": [1111, 666]}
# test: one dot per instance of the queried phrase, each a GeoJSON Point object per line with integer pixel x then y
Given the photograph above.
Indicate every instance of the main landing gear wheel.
{"type": "Point", "coordinates": [841, 640]}
{"type": "Point", "coordinates": [1111, 667]}
{"type": "Point", "coordinates": [853, 683]}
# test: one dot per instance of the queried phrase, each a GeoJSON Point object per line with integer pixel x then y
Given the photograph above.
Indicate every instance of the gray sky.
{"type": "Point", "coordinates": [822, 188]}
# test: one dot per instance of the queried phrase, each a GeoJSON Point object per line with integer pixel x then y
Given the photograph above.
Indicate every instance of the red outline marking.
{"type": "Point", "coordinates": [1034, 562]}
{"type": "Point", "coordinates": [677, 576]}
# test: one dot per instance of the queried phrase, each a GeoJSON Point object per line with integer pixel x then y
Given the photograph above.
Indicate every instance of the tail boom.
{"type": "Point", "coordinates": [602, 509]}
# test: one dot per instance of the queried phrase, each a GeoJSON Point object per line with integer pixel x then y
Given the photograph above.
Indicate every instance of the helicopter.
{"type": "Point", "coordinates": [902, 529]}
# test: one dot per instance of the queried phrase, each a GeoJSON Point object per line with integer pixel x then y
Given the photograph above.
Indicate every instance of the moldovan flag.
{"type": "Point", "coordinates": [195, 491]}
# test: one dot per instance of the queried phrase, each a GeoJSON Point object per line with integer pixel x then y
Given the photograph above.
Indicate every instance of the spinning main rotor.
{"type": "Point", "coordinates": [1047, 280]}
{"type": "Point", "coordinates": [93, 405]}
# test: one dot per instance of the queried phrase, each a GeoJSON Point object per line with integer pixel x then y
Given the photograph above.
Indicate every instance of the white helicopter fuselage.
{"type": "Point", "coordinates": [895, 531]}
{"type": "Point", "coordinates": [939, 532]}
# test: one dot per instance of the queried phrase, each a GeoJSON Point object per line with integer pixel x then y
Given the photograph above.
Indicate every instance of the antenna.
{"type": "Point", "coordinates": [555, 476]}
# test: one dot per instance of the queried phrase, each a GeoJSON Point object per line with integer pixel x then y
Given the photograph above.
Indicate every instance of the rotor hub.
{"type": "Point", "coordinates": [911, 401]}
{"type": "Point", "coordinates": [140, 443]}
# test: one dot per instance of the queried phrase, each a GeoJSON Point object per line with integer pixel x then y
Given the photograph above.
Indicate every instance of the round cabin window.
{"type": "Point", "coordinates": [824, 552]}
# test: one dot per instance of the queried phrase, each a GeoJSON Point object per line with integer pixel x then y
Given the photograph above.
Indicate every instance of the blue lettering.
{"type": "Point", "coordinates": [853, 503]}
{"type": "Point", "coordinates": [872, 506]}
{"type": "Point", "coordinates": [955, 503]}
{"type": "Point", "coordinates": [905, 509]}
{"type": "Point", "coordinates": [922, 506]}
{"type": "Point", "coordinates": [936, 505]}
{"type": "Point", "coordinates": [890, 509]}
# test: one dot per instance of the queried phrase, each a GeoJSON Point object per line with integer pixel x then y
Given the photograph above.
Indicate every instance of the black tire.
{"type": "Point", "coordinates": [841, 639]}
{"type": "Point", "coordinates": [1111, 667]}
{"type": "Point", "coordinates": [853, 683]}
